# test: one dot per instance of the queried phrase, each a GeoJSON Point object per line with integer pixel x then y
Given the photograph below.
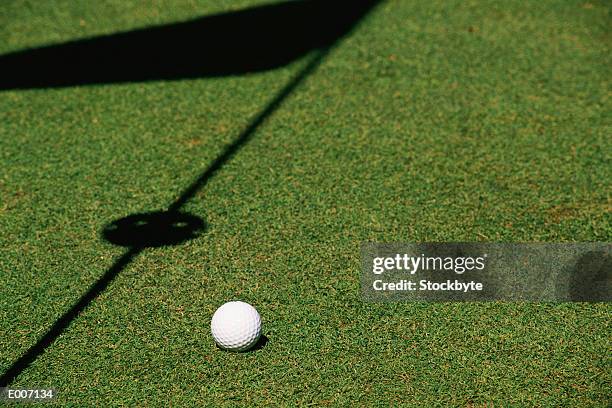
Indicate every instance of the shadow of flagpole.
{"type": "Point", "coordinates": [164, 229]}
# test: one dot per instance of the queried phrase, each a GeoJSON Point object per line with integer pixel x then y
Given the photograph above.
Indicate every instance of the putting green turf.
{"type": "Point", "coordinates": [432, 121]}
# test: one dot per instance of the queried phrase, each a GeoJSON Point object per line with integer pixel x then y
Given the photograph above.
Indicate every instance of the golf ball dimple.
{"type": "Point", "coordinates": [236, 326]}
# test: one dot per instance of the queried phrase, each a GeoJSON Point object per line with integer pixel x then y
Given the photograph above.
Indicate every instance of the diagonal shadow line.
{"type": "Point", "coordinates": [233, 148]}
{"type": "Point", "coordinates": [94, 291]}
{"type": "Point", "coordinates": [64, 321]}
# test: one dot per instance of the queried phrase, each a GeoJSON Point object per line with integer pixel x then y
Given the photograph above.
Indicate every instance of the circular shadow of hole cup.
{"type": "Point", "coordinates": [154, 229]}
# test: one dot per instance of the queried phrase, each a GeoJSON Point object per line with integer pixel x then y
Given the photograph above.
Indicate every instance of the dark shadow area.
{"type": "Point", "coordinates": [255, 39]}
{"type": "Point", "coordinates": [155, 229]}
{"type": "Point", "coordinates": [591, 278]}
{"type": "Point", "coordinates": [261, 343]}
{"type": "Point", "coordinates": [228, 44]}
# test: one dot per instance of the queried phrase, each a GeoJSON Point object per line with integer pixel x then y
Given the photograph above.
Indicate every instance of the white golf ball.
{"type": "Point", "coordinates": [236, 326]}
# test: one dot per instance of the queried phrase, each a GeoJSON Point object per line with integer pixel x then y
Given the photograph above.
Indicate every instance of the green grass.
{"type": "Point", "coordinates": [433, 121]}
